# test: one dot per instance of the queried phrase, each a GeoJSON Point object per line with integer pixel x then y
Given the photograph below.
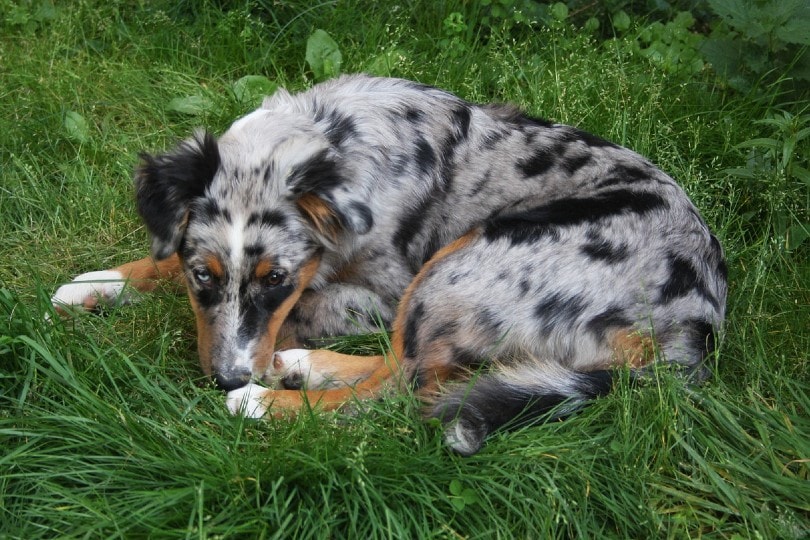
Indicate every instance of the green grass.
{"type": "Point", "coordinates": [108, 429]}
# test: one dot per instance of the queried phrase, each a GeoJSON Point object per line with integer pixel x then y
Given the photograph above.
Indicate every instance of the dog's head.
{"type": "Point", "coordinates": [248, 215]}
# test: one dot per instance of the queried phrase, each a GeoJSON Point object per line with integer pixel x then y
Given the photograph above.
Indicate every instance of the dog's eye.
{"type": "Point", "coordinates": [202, 276]}
{"type": "Point", "coordinates": [275, 277]}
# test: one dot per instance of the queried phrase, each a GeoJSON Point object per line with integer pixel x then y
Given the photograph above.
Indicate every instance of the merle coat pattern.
{"type": "Point", "coordinates": [533, 254]}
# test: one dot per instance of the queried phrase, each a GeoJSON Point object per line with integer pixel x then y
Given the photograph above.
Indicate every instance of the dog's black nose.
{"type": "Point", "coordinates": [232, 380]}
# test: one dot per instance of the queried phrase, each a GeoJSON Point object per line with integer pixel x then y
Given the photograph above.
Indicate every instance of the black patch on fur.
{"type": "Point", "coordinates": [515, 117]}
{"type": "Point", "coordinates": [487, 319]}
{"type": "Point", "coordinates": [364, 215]}
{"type": "Point", "coordinates": [613, 317]}
{"type": "Point", "coordinates": [625, 174]}
{"type": "Point", "coordinates": [605, 251]}
{"type": "Point", "coordinates": [434, 244]}
{"type": "Point", "coordinates": [557, 310]}
{"type": "Point", "coordinates": [539, 163]}
{"type": "Point", "coordinates": [166, 184]}
{"type": "Point", "coordinates": [425, 157]}
{"type": "Point", "coordinates": [414, 116]}
{"type": "Point", "coordinates": [683, 279]}
{"type": "Point", "coordinates": [461, 121]}
{"type": "Point", "coordinates": [411, 326]}
{"type": "Point", "coordinates": [341, 128]}
{"type": "Point", "coordinates": [443, 331]}
{"type": "Point", "coordinates": [319, 175]}
{"type": "Point", "coordinates": [482, 183]}
{"type": "Point", "coordinates": [573, 164]}
{"type": "Point", "coordinates": [207, 210]}
{"type": "Point", "coordinates": [254, 250]}
{"type": "Point", "coordinates": [209, 297]}
{"type": "Point", "coordinates": [593, 140]}
{"type": "Point", "coordinates": [722, 267]}
{"type": "Point", "coordinates": [267, 218]}
{"type": "Point", "coordinates": [257, 308]}
{"type": "Point", "coordinates": [411, 224]}
{"type": "Point", "coordinates": [533, 224]}
{"type": "Point", "coordinates": [465, 358]}
{"type": "Point", "coordinates": [524, 286]}
{"type": "Point", "coordinates": [704, 337]}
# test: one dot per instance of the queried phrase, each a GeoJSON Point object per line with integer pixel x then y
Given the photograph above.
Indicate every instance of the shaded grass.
{"type": "Point", "coordinates": [107, 428]}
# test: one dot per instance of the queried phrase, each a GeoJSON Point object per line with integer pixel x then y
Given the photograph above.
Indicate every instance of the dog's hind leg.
{"type": "Point", "coordinates": [256, 401]}
{"type": "Point", "coordinates": [320, 369]}
{"type": "Point", "coordinates": [92, 290]}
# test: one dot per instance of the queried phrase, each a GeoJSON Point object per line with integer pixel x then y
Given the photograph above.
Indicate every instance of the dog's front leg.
{"type": "Point", "coordinates": [336, 310]}
{"type": "Point", "coordinates": [91, 290]}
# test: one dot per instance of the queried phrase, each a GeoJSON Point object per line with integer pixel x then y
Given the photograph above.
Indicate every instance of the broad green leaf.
{"type": "Point", "coordinates": [458, 503]}
{"type": "Point", "coordinates": [385, 63]}
{"type": "Point", "coordinates": [252, 88]}
{"type": "Point", "coordinates": [621, 21]}
{"type": "Point", "coordinates": [191, 105]}
{"type": "Point", "coordinates": [797, 234]}
{"type": "Point", "coordinates": [469, 496]}
{"type": "Point", "coordinates": [323, 55]}
{"type": "Point", "coordinates": [801, 173]}
{"type": "Point", "coordinates": [741, 172]}
{"type": "Point", "coordinates": [763, 142]}
{"type": "Point", "coordinates": [559, 11]}
{"type": "Point", "coordinates": [76, 127]}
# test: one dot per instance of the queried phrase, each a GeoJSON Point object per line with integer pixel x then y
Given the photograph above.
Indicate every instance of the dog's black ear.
{"type": "Point", "coordinates": [166, 184]}
{"type": "Point", "coordinates": [323, 192]}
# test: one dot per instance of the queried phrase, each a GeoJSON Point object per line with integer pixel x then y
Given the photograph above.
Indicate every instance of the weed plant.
{"type": "Point", "coordinates": [108, 429]}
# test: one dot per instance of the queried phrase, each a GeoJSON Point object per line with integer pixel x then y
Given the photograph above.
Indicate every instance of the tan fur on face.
{"type": "Point", "coordinates": [204, 338]}
{"type": "Point", "coordinates": [263, 268]}
{"type": "Point", "coordinates": [267, 344]}
{"type": "Point", "coordinates": [214, 266]}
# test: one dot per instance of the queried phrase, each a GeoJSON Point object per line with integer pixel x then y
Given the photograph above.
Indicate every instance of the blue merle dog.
{"type": "Point", "coordinates": [516, 261]}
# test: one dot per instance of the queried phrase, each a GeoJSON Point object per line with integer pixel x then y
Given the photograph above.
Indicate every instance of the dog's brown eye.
{"type": "Point", "coordinates": [202, 276]}
{"type": "Point", "coordinates": [275, 277]}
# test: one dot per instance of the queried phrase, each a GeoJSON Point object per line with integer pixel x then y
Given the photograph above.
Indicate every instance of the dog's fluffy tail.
{"type": "Point", "coordinates": [514, 397]}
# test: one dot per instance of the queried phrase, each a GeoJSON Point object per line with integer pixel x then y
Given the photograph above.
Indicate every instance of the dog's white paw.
{"type": "Point", "coordinates": [91, 289]}
{"type": "Point", "coordinates": [292, 365]}
{"type": "Point", "coordinates": [247, 401]}
{"type": "Point", "coordinates": [296, 370]}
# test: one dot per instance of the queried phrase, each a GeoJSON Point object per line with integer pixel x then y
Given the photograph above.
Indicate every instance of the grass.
{"type": "Point", "coordinates": [108, 429]}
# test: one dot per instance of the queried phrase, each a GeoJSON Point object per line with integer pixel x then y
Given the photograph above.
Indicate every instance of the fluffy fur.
{"type": "Point", "coordinates": [474, 232]}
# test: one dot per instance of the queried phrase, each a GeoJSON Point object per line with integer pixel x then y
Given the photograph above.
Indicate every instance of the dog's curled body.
{"type": "Point", "coordinates": [532, 254]}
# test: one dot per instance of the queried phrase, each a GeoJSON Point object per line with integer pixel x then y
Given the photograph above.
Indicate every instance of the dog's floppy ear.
{"type": "Point", "coordinates": [324, 193]}
{"type": "Point", "coordinates": [165, 186]}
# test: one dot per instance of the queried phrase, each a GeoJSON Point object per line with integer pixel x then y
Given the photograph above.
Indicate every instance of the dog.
{"type": "Point", "coordinates": [518, 263]}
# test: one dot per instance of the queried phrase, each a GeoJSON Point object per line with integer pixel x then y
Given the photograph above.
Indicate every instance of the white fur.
{"type": "Point", "coordinates": [236, 240]}
{"type": "Point", "coordinates": [105, 285]}
{"type": "Point", "coordinates": [296, 361]}
{"type": "Point", "coordinates": [457, 438]}
{"type": "Point", "coordinates": [247, 401]}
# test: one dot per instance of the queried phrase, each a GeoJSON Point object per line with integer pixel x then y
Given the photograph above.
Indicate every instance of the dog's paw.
{"type": "Point", "coordinates": [91, 290]}
{"type": "Point", "coordinates": [248, 401]}
{"type": "Point", "coordinates": [292, 368]}
{"type": "Point", "coordinates": [299, 369]}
